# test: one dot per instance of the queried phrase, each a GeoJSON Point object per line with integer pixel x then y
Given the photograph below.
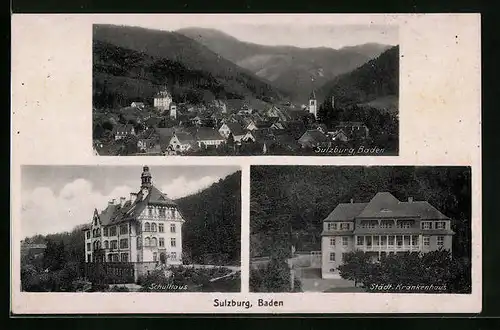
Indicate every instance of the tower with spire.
{"type": "Point", "coordinates": [313, 105]}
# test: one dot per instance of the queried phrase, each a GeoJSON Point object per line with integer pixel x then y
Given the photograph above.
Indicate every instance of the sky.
{"type": "Point", "coordinates": [301, 31]}
{"type": "Point", "coordinates": [58, 198]}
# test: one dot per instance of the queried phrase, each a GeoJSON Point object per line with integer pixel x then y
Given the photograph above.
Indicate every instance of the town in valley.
{"type": "Point", "coordinates": [150, 101]}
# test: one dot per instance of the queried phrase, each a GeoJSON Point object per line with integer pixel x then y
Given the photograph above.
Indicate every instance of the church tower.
{"type": "Point", "coordinates": [145, 181]}
{"type": "Point", "coordinates": [313, 105]}
{"type": "Point", "coordinates": [173, 111]}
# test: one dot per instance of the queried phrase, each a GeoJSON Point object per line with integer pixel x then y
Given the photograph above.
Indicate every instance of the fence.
{"type": "Point", "coordinates": [109, 272]}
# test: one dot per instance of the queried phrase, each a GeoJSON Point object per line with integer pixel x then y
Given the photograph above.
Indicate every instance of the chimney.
{"type": "Point", "coordinates": [133, 196]}
{"type": "Point", "coordinates": [111, 202]}
{"type": "Point", "coordinates": [122, 201]}
{"type": "Point", "coordinates": [352, 201]}
{"type": "Point", "coordinates": [410, 199]}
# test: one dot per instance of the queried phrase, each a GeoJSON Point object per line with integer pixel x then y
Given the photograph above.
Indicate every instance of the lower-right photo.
{"type": "Point", "coordinates": [394, 229]}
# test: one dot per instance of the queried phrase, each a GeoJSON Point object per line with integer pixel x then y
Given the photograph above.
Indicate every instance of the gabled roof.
{"type": "Point", "coordinates": [350, 124]}
{"type": "Point", "coordinates": [115, 213]}
{"type": "Point", "coordinates": [314, 135]}
{"type": "Point", "coordinates": [184, 137]}
{"type": "Point", "coordinates": [123, 128]}
{"type": "Point", "coordinates": [235, 128]}
{"type": "Point", "coordinates": [206, 133]}
{"type": "Point", "coordinates": [385, 205]}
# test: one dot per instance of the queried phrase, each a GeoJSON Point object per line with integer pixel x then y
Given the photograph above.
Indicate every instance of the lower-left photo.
{"type": "Point", "coordinates": [130, 228]}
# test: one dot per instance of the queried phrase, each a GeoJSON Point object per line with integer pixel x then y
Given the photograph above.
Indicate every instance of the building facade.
{"type": "Point", "coordinates": [313, 105]}
{"type": "Point", "coordinates": [146, 230]}
{"type": "Point", "coordinates": [162, 100]}
{"type": "Point", "coordinates": [380, 227]}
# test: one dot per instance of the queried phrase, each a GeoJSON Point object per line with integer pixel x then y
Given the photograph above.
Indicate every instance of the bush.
{"type": "Point", "coordinates": [116, 288]}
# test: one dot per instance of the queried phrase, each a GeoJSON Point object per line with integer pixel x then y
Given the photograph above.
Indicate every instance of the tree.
{"type": "Point", "coordinates": [356, 267]}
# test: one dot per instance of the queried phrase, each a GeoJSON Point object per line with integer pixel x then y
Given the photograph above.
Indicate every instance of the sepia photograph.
{"type": "Point", "coordinates": [390, 229]}
{"type": "Point", "coordinates": [130, 229]}
{"type": "Point", "coordinates": [164, 88]}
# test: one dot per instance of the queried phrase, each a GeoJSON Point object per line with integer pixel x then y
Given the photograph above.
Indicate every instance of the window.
{"type": "Point", "coordinates": [172, 213]}
{"type": "Point", "coordinates": [440, 241]}
{"type": "Point", "coordinates": [147, 241]}
{"type": "Point", "coordinates": [155, 256]}
{"type": "Point", "coordinates": [139, 243]}
{"type": "Point", "coordinates": [332, 241]}
{"type": "Point", "coordinates": [124, 243]}
{"type": "Point", "coordinates": [331, 226]}
{"type": "Point", "coordinates": [106, 231]}
{"type": "Point", "coordinates": [383, 240]}
{"type": "Point", "coordinates": [162, 242]}
{"type": "Point", "coordinates": [112, 231]}
{"type": "Point", "coordinates": [89, 257]}
{"type": "Point", "coordinates": [154, 241]}
{"type": "Point", "coordinates": [153, 227]}
{"type": "Point", "coordinates": [376, 240]}
{"type": "Point", "coordinates": [150, 212]}
{"type": "Point", "coordinates": [161, 228]}
{"type": "Point", "coordinates": [110, 257]}
{"type": "Point", "coordinates": [106, 244]}
{"type": "Point", "coordinates": [124, 257]}
{"type": "Point", "coordinates": [414, 240]}
{"type": "Point", "coordinates": [368, 241]}
{"type": "Point", "coordinates": [345, 240]}
{"type": "Point", "coordinates": [124, 229]}
{"type": "Point", "coordinates": [403, 224]}
{"type": "Point", "coordinates": [426, 225]}
{"type": "Point", "coordinates": [332, 256]}
{"type": "Point", "coordinates": [172, 242]}
{"type": "Point", "coordinates": [115, 257]}
{"type": "Point", "coordinates": [88, 247]}
{"type": "Point", "coordinates": [138, 258]}
{"type": "Point", "coordinates": [399, 240]}
{"type": "Point", "coordinates": [391, 240]}
{"type": "Point", "coordinates": [173, 255]}
{"type": "Point", "coordinates": [147, 226]}
{"type": "Point", "coordinates": [360, 240]}
{"type": "Point", "coordinates": [386, 224]}
{"type": "Point", "coordinates": [344, 226]}
{"type": "Point", "coordinates": [172, 227]}
{"type": "Point", "coordinates": [114, 244]}
{"type": "Point", "coordinates": [162, 212]}
{"type": "Point", "coordinates": [427, 240]}
{"type": "Point", "coordinates": [343, 256]}
{"type": "Point", "coordinates": [88, 234]}
{"type": "Point", "coordinates": [440, 225]}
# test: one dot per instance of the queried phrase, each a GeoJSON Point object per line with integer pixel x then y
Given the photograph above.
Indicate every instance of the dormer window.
{"type": "Point", "coordinates": [385, 210]}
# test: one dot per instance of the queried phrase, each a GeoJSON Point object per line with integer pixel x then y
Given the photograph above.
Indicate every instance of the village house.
{"type": "Point", "coordinates": [313, 138]}
{"type": "Point", "coordinates": [338, 135]}
{"type": "Point", "coordinates": [207, 137]}
{"type": "Point", "coordinates": [145, 230]}
{"type": "Point", "coordinates": [181, 142]}
{"type": "Point", "coordinates": [248, 137]}
{"type": "Point", "coordinates": [220, 105]}
{"type": "Point", "coordinates": [381, 227]}
{"type": "Point", "coordinates": [232, 128]}
{"type": "Point", "coordinates": [138, 105]}
{"type": "Point", "coordinates": [162, 100]}
{"type": "Point", "coordinates": [122, 131]}
{"type": "Point", "coordinates": [353, 129]}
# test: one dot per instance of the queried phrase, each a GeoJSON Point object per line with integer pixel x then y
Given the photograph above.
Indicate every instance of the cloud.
{"type": "Point", "coordinates": [181, 186]}
{"type": "Point", "coordinates": [45, 211]}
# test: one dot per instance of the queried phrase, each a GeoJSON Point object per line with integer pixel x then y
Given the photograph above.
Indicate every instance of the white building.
{"type": "Point", "coordinates": [162, 100]}
{"type": "Point", "coordinates": [145, 230]}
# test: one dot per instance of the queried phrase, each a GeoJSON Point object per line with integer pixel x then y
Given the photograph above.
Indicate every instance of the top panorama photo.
{"type": "Point", "coordinates": [245, 90]}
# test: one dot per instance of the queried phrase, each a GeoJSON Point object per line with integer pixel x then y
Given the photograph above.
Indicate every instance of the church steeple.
{"type": "Point", "coordinates": [145, 178]}
{"type": "Point", "coordinates": [313, 105]}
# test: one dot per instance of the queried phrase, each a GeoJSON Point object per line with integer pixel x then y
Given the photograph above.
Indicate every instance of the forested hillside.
{"type": "Point", "coordinates": [295, 70]}
{"type": "Point", "coordinates": [131, 64]}
{"type": "Point", "coordinates": [377, 79]}
{"type": "Point", "coordinates": [289, 203]}
{"type": "Point", "coordinates": [211, 233]}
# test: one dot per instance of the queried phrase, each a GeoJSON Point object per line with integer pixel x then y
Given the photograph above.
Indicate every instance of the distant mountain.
{"type": "Point", "coordinates": [291, 69]}
{"type": "Point", "coordinates": [131, 63]}
{"type": "Point", "coordinates": [211, 233]}
{"type": "Point", "coordinates": [376, 83]}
